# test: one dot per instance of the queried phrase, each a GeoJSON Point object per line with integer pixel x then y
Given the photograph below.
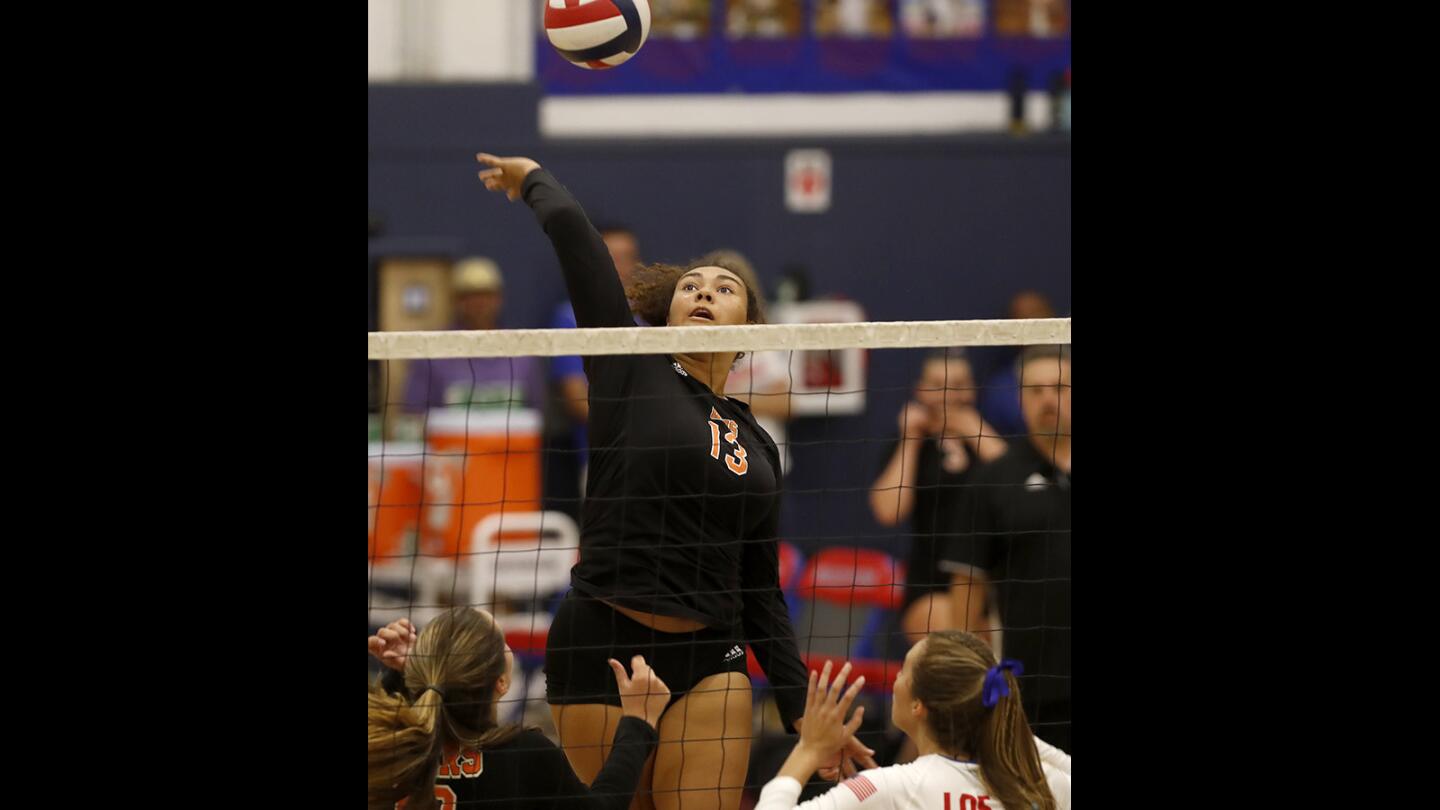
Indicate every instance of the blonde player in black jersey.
{"type": "Point", "coordinates": [434, 737]}
{"type": "Point", "coordinates": [962, 709]}
{"type": "Point", "coordinates": [679, 558]}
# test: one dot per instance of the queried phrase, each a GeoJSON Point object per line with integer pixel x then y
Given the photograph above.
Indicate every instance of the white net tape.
{"type": "Point", "coordinates": [650, 340]}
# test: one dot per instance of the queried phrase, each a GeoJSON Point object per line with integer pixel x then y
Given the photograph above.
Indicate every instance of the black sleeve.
{"type": "Point", "coordinates": [614, 786]}
{"type": "Point", "coordinates": [972, 543]}
{"type": "Point", "coordinates": [595, 290]}
{"type": "Point", "coordinates": [767, 621]}
{"type": "Point", "coordinates": [618, 778]}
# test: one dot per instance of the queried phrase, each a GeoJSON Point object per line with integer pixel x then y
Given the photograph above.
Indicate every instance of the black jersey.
{"type": "Point", "coordinates": [1017, 530]}
{"type": "Point", "coordinates": [683, 491]}
{"type": "Point", "coordinates": [942, 476]}
{"type": "Point", "coordinates": [530, 773]}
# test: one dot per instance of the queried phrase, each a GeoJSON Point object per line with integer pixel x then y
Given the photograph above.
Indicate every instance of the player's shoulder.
{"type": "Point", "coordinates": [935, 771]}
{"type": "Point", "coordinates": [895, 776]}
{"type": "Point", "coordinates": [533, 739]}
{"type": "Point", "coordinates": [529, 742]}
{"type": "Point", "coordinates": [1059, 783]}
{"type": "Point", "coordinates": [902, 784]}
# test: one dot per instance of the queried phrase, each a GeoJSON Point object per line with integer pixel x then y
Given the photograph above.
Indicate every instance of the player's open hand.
{"type": "Point", "coordinates": [824, 730]}
{"type": "Point", "coordinates": [392, 644]}
{"type": "Point", "coordinates": [505, 174]}
{"type": "Point", "coordinates": [642, 693]}
{"type": "Point", "coordinates": [916, 421]}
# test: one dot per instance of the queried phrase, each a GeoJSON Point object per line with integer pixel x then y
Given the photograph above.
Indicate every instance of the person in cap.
{"type": "Point", "coordinates": [474, 382]}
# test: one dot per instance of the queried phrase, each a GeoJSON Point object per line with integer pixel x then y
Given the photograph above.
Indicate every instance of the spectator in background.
{"type": "Point", "coordinates": [679, 19]}
{"type": "Point", "coordinates": [942, 18]}
{"type": "Point", "coordinates": [762, 18]}
{"type": "Point", "coordinates": [853, 18]}
{"type": "Point", "coordinates": [1000, 395]}
{"type": "Point", "coordinates": [1015, 538]}
{"type": "Point", "coordinates": [566, 440]}
{"type": "Point", "coordinates": [475, 382]}
{"type": "Point", "coordinates": [928, 467]}
{"type": "Point", "coordinates": [1030, 18]}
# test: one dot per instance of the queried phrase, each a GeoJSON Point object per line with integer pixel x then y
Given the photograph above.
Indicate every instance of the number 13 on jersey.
{"type": "Point", "coordinates": [736, 460]}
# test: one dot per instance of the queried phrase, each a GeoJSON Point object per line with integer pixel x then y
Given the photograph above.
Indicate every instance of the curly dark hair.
{"type": "Point", "coordinates": [652, 286]}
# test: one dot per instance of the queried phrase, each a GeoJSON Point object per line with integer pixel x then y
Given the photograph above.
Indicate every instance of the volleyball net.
{"type": "Point", "coordinates": [890, 521]}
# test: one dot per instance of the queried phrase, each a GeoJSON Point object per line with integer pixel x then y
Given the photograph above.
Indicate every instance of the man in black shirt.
{"type": "Point", "coordinates": [1015, 533]}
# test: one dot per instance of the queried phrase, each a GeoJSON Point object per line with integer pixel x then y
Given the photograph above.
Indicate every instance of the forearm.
{"type": "Point", "coordinates": [590, 279]}
{"type": "Point", "coordinates": [987, 444]}
{"type": "Point", "coordinates": [892, 496]}
{"type": "Point", "coordinates": [765, 620]}
{"type": "Point", "coordinates": [615, 785]}
{"type": "Point", "coordinates": [773, 640]}
{"type": "Point", "coordinates": [802, 763]}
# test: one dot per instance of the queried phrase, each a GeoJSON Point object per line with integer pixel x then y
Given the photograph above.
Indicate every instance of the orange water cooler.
{"type": "Point", "coordinates": [477, 463]}
{"type": "Point", "coordinates": [394, 499]}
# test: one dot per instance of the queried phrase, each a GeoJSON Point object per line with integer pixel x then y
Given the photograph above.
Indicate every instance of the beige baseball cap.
{"type": "Point", "coordinates": [476, 274]}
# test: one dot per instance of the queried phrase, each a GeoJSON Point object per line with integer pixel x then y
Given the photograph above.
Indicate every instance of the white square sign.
{"type": "Point", "coordinates": [807, 181]}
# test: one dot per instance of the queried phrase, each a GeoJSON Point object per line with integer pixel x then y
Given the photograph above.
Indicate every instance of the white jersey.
{"type": "Point", "coordinates": [932, 782]}
{"type": "Point", "coordinates": [1050, 755]}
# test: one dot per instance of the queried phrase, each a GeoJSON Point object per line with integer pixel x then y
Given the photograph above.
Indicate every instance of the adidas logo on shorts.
{"type": "Point", "coordinates": [735, 652]}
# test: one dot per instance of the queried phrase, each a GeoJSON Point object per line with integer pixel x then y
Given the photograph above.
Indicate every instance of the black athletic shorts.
{"type": "Point", "coordinates": [586, 632]}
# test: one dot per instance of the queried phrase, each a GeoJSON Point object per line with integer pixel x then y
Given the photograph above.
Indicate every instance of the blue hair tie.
{"type": "Point", "coordinates": [996, 686]}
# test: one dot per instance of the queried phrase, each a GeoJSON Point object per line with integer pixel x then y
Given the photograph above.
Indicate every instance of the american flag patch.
{"type": "Point", "coordinates": [862, 788]}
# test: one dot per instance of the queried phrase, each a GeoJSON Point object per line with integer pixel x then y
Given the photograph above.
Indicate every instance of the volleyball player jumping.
{"type": "Point", "coordinates": [679, 560]}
